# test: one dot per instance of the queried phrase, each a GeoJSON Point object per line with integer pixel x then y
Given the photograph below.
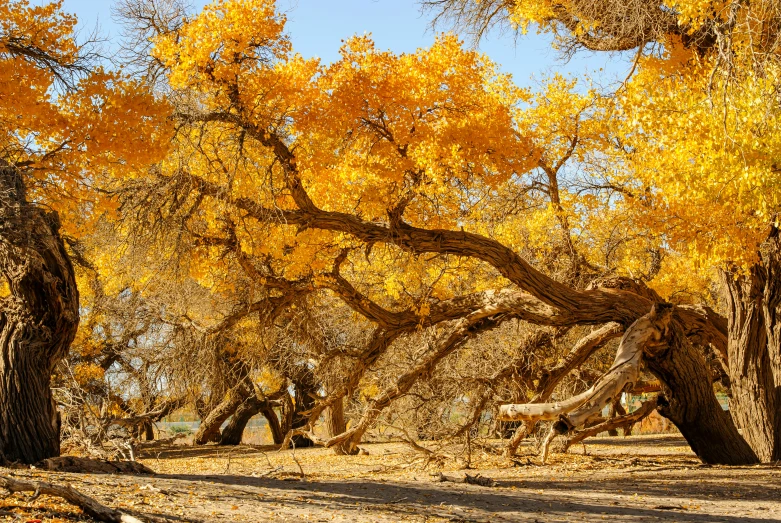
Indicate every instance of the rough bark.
{"type": "Point", "coordinates": [38, 321]}
{"type": "Point", "coordinates": [336, 424]}
{"type": "Point", "coordinates": [306, 393]}
{"type": "Point", "coordinates": [234, 430]}
{"type": "Point", "coordinates": [209, 430]}
{"type": "Point", "coordinates": [277, 433]}
{"type": "Point", "coordinates": [754, 313]}
{"type": "Point", "coordinates": [689, 402]}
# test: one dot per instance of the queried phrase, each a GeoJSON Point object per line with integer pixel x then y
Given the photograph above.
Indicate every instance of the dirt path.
{"type": "Point", "coordinates": [633, 479]}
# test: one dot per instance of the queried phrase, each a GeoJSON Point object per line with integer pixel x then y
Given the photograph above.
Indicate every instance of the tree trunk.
{"type": "Point", "coordinates": [689, 402]}
{"type": "Point", "coordinates": [209, 431]}
{"type": "Point", "coordinates": [616, 409]}
{"type": "Point", "coordinates": [38, 321]}
{"type": "Point", "coordinates": [335, 424]}
{"type": "Point", "coordinates": [234, 430]}
{"type": "Point", "coordinates": [277, 434]}
{"type": "Point", "coordinates": [754, 350]}
{"type": "Point", "coordinates": [305, 390]}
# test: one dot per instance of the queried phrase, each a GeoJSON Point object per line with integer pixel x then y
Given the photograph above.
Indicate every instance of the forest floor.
{"type": "Point", "coordinates": [639, 478]}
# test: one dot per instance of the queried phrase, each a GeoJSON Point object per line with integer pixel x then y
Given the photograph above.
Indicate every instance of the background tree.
{"type": "Point", "coordinates": [700, 115]}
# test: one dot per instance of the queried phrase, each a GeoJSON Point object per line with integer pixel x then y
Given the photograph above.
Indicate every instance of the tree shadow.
{"type": "Point", "coordinates": [561, 499]}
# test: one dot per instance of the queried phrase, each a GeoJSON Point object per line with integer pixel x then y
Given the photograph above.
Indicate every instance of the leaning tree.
{"type": "Point", "coordinates": [699, 112]}
{"type": "Point", "coordinates": [383, 160]}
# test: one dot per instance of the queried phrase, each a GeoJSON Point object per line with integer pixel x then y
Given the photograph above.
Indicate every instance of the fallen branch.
{"type": "Point", "coordinates": [471, 480]}
{"type": "Point", "coordinates": [646, 333]}
{"type": "Point", "coordinates": [92, 466]}
{"type": "Point", "coordinates": [90, 506]}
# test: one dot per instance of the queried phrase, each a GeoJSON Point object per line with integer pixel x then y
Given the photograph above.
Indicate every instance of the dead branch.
{"type": "Point", "coordinates": [618, 422]}
{"type": "Point", "coordinates": [471, 480]}
{"type": "Point", "coordinates": [89, 505]}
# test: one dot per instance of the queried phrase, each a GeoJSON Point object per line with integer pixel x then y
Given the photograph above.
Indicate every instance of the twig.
{"type": "Point", "coordinates": [300, 468]}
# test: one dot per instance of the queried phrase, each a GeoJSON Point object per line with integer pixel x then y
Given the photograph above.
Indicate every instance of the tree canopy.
{"type": "Point", "coordinates": [270, 232]}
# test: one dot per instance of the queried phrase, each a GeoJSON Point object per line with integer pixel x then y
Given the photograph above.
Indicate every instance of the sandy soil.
{"type": "Point", "coordinates": [639, 478]}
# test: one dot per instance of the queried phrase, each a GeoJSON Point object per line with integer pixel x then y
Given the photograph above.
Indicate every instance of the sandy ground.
{"type": "Point", "coordinates": [639, 478]}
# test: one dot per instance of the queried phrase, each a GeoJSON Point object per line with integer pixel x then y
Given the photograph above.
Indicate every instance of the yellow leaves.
{"type": "Point", "coordinates": [707, 159]}
{"type": "Point", "coordinates": [79, 137]}
{"type": "Point", "coordinates": [227, 39]}
{"type": "Point", "coordinates": [84, 373]}
{"type": "Point", "coordinates": [436, 118]}
{"type": "Point", "coordinates": [270, 380]}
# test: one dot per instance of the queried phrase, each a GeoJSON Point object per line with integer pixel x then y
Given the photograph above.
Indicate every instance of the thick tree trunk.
{"type": "Point", "coordinates": [234, 430]}
{"type": "Point", "coordinates": [689, 402]}
{"type": "Point", "coordinates": [335, 424]}
{"type": "Point", "coordinates": [38, 321]}
{"type": "Point", "coordinates": [277, 434]}
{"type": "Point", "coordinates": [754, 350]}
{"type": "Point", "coordinates": [209, 430]}
{"type": "Point", "coordinates": [306, 390]}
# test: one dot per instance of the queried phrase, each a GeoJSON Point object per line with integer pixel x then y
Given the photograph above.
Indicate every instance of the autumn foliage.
{"type": "Point", "coordinates": [405, 240]}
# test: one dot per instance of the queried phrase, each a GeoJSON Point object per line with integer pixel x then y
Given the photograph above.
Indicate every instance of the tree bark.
{"type": "Point", "coordinates": [38, 322]}
{"type": "Point", "coordinates": [209, 430]}
{"type": "Point", "coordinates": [234, 430]}
{"type": "Point", "coordinates": [335, 424]}
{"type": "Point", "coordinates": [305, 390]}
{"type": "Point", "coordinates": [277, 434]}
{"type": "Point", "coordinates": [689, 402]}
{"type": "Point", "coordinates": [754, 350]}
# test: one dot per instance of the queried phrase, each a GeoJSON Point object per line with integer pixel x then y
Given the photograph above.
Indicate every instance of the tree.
{"type": "Point", "coordinates": [700, 116]}
{"type": "Point", "coordinates": [394, 165]}
{"type": "Point", "coordinates": [67, 125]}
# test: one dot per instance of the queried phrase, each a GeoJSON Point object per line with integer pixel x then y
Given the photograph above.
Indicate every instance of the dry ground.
{"type": "Point", "coordinates": [639, 478]}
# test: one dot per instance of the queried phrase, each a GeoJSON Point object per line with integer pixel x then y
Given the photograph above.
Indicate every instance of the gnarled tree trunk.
{"type": "Point", "coordinates": [305, 394]}
{"type": "Point", "coordinates": [274, 426]}
{"type": "Point", "coordinates": [234, 430]}
{"type": "Point", "coordinates": [335, 424]}
{"type": "Point", "coordinates": [754, 350]}
{"type": "Point", "coordinates": [38, 321]}
{"type": "Point", "coordinates": [209, 430]}
{"type": "Point", "coordinates": [688, 400]}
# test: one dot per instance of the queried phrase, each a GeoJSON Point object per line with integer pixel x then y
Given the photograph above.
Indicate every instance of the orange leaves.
{"type": "Point", "coordinates": [76, 126]}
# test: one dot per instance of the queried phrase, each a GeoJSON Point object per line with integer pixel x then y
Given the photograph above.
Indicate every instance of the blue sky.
{"type": "Point", "coordinates": [318, 26]}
